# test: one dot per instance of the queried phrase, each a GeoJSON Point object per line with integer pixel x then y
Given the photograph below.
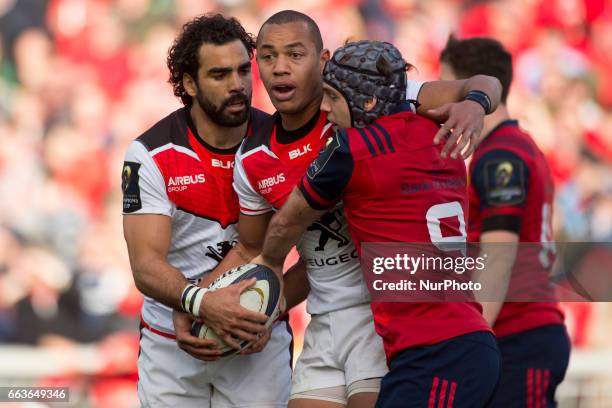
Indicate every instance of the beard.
{"type": "Point", "coordinates": [219, 115]}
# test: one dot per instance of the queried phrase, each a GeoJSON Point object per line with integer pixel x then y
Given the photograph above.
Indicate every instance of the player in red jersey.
{"type": "Point", "coordinates": [175, 176]}
{"type": "Point", "coordinates": [442, 353]}
{"type": "Point", "coordinates": [511, 200]}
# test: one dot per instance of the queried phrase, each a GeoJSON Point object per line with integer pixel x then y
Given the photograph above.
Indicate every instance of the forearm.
{"type": "Point", "coordinates": [296, 283]}
{"type": "Point", "coordinates": [490, 311]}
{"type": "Point", "coordinates": [238, 255]}
{"type": "Point", "coordinates": [283, 233]}
{"type": "Point", "coordinates": [285, 230]}
{"type": "Point", "coordinates": [494, 278]}
{"type": "Point", "coordinates": [436, 94]}
{"type": "Point", "coordinates": [159, 280]}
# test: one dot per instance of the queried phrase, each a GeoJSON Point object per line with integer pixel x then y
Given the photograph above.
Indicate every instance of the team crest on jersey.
{"type": "Point", "coordinates": [505, 182]}
{"type": "Point", "coordinates": [130, 187]}
{"type": "Point", "coordinates": [503, 173]}
{"type": "Point", "coordinates": [219, 251]}
{"type": "Point", "coordinates": [330, 147]}
{"type": "Point", "coordinates": [329, 226]}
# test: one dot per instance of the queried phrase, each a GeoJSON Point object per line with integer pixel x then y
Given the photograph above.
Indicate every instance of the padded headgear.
{"type": "Point", "coordinates": [365, 69]}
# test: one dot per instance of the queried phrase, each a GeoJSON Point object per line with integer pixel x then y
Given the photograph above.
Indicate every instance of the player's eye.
{"type": "Point", "coordinates": [296, 55]}
{"type": "Point", "coordinates": [266, 57]}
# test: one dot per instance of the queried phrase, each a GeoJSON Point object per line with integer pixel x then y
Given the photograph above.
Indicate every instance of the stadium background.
{"type": "Point", "coordinates": [80, 79]}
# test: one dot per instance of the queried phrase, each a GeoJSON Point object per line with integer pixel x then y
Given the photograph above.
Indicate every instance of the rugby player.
{"type": "Point", "coordinates": [511, 199]}
{"type": "Point", "coordinates": [269, 165]}
{"type": "Point", "coordinates": [439, 353]}
{"type": "Point", "coordinates": [180, 215]}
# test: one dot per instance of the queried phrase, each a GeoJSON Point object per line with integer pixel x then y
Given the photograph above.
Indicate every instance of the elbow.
{"type": "Point", "coordinates": [279, 223]}
{"type": "Point", "coordinates": [139, 273]}
{"type": "Point", "coordinates": [499, 88]}
{"type": "Point", "coordinates": [495, 85]}
{"type": "Point", "coordinates": [139, 282]}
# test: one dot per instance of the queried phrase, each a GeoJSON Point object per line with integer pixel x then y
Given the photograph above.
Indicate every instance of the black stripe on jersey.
{"type": "Point", "coordinates": [367, 142]}
{"type": "Point", "coordinates": [257, 120]}
{"type": "Point", "coordinates": [171, 129]}
{"type": "Point", "coordinates": [386, 135]}
{"type": "Point", "coordinates": [261, 129]}
{"type": "Point", "coordinates": [503, 222]}
{"type": "Point", "coordinates": [207, 218]}
{"type": "Point", "coordinates": [377, 139]}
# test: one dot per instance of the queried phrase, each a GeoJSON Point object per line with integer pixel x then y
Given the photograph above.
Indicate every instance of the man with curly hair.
{"type": "Point", "coordinates": [180, 215]}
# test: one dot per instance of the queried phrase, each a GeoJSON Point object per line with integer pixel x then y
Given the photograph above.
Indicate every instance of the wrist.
{"type": "Point", "coordinates": [192, 298]}
{"type": "Point", "coordinates": [480, 98]}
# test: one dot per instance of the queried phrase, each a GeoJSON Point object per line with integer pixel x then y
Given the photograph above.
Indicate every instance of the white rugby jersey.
{"type": "Point", "coordinates": [170, 170]}
{"type": "Point", "coordinates": [269, 164]}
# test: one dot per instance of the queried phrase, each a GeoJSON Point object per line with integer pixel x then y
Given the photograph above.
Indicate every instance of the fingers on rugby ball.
{"type": "Point", "coordinates": [262, 297]}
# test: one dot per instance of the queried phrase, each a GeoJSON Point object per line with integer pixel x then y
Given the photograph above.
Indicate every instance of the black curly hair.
{"type": "Point", "coordinates": [208, 28]}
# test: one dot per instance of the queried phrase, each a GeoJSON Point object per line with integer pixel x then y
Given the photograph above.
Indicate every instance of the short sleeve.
{"type": "Point", "coordinates": [501, 181]}
{"type": "Point", "coordinates": [251, 203]}
{"type": "Point", "coordinates": [143, 186]}
{"type": "Point", "coordinates": [327, 177]}
{"type": "Point", "coordinates": [412, 93]}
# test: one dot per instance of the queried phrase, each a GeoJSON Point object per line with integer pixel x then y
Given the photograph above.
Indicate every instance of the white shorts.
{"type": "Point", "coordinates": [340, 347]}
{"type": "Point", "coordinates": [169, 377]}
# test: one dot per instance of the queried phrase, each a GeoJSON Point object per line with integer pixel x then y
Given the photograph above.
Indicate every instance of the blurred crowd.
{"type": "Point", "coordinates": [80, 79]}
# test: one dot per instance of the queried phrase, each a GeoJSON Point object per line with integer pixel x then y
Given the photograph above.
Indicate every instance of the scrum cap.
{"type": "Point", "coordinates": [365, 69]}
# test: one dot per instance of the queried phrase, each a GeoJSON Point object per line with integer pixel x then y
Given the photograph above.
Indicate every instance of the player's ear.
{"type": "Point", "coordinates": [325, 56]}
{"type": "Point", "coordinates": [370, 104]}
{"type": "Point", "coordinates": [190, 85]}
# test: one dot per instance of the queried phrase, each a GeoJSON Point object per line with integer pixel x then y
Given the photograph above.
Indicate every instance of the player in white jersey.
{"type": "Point", "coordinates": [180, 215]}
{"type": "Point", "coordinates": [343, 358]}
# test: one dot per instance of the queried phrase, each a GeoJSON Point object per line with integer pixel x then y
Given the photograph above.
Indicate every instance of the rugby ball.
{"type": "Point", "coordinates": [262, 297]}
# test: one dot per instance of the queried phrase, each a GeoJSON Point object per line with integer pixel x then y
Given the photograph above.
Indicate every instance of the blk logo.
{"type": "Point", "coordinates": [224, 164]}
{"type": "Point", "coordinates": [293, 154]}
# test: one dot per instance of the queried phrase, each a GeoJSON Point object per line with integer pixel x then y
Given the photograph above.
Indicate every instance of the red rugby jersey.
{"type": "Point", "coordinates": [368, 169]}
{"type": "Point", "coordinates": [511, 188]}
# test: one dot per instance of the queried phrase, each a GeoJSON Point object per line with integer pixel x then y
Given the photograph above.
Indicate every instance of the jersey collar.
{"type": "Point", "coordinates": [202, 142]}
{"type": "Point", "coordinates": [507, 122]}
{"type": "Point", "coordinates": [289, 136]}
